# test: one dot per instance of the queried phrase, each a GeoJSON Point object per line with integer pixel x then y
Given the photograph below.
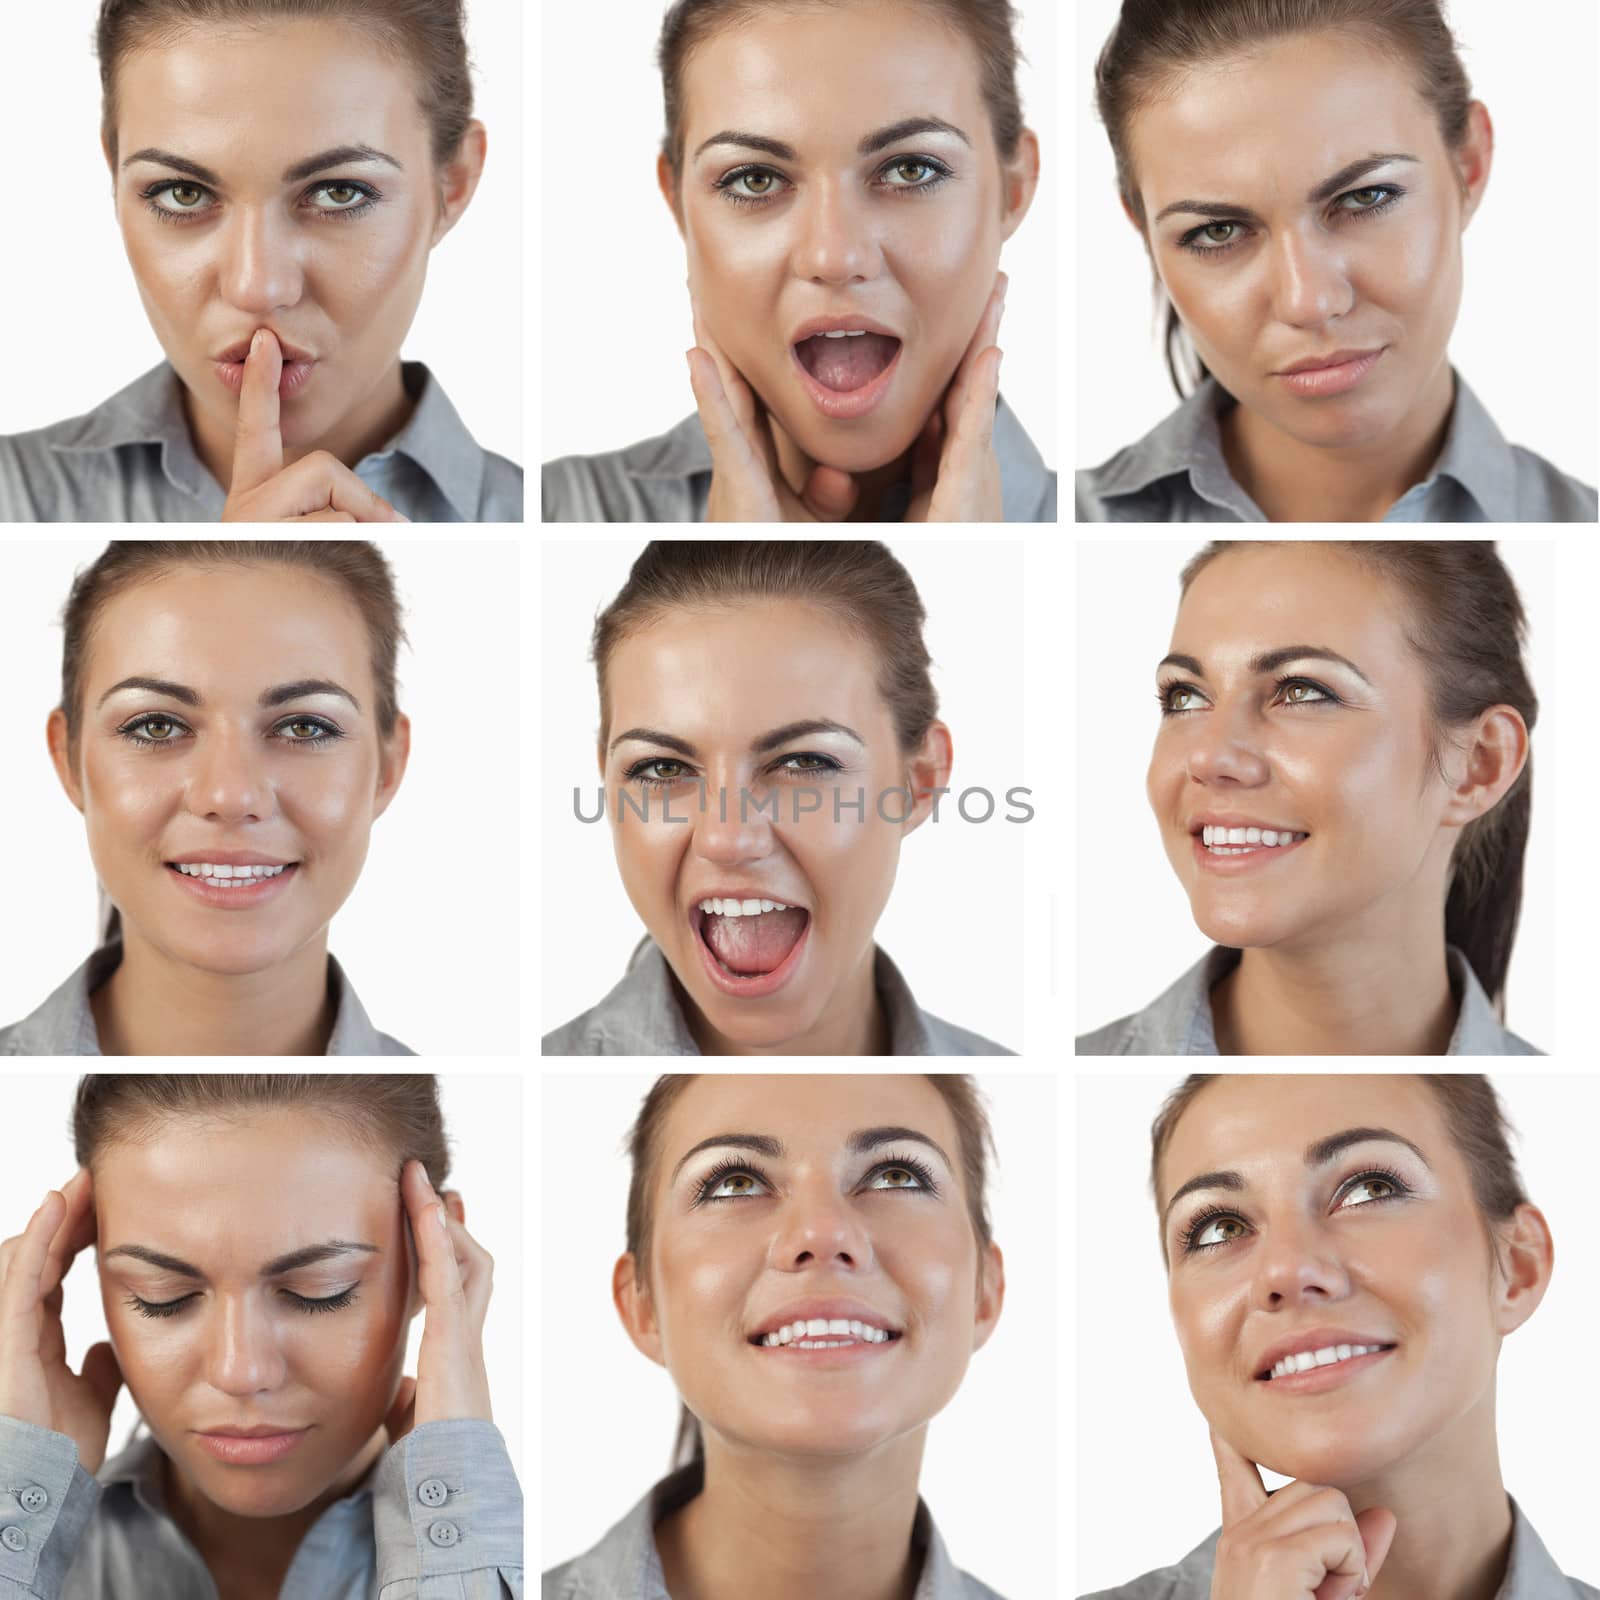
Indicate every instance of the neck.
{"type": "Point", "coordinates": [1293, 481]}
{"type": "Point", "coordinates": [871, 487]}
{"type": "Point", "coordinates": [371, 423]}
{"type": "Point", "coordinates": [854, 1023]}
{"type": "Point", "coordinates": [156, 1005]}
{"type": "Point", "coordinates": [790, 1529]}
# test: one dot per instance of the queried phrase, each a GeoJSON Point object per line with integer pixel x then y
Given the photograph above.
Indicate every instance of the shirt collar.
{"type": "Point", "coordinates": [150, 411]}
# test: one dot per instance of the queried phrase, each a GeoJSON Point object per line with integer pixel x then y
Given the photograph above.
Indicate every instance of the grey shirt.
{"type": "Point", "coordinates": [439, 1517]}
{"type": "Point", "coordinates": [64, 1024]}
{"type": "Point", "coordinates": [626, 1566]}
{"type": "Point", "coordinates": [1178, 473]}
{"type": "Point", "coordinates": [1178, 1023]}
{"type": "Point", "coordinates": [1531, 1573]}
{"type": "Point", "coordinates": [132, 459]}
{"type": "Point", "coordinates": [668, 479]}
{"type": "Point", "coordinates": [641, 1017]}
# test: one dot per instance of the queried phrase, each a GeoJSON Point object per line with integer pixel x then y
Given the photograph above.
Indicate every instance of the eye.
{"type": "Point", "coordinates": [1302, 692]}
{"type": "Point", "coordinates": [1368, 1182]}
{"type": "Point", "coordinates": [896, 1178]}
{"type": "Point", "coordinates": [159, 1308]}
{"type": "Point", "coordinates": [307, 730]}
{"type": "Point", "coordinates": [733, 1183]}
{"type": "Point", "coordinates": [641, 772]}
{"type": "Point", "coordinates": [1176, 697]}
{"type": "Point", "coordinates": [332, 1302]}
{"type": "Point", "coordinates": [1200, 1238]}
{"type": "Point", "coordinates": [151, 729]}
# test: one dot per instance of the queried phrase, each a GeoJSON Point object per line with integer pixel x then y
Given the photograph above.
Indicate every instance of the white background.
{"type": "Point", "coordinates": [956, 963]}
{"type": "Point", "coordinates": [429, 938]}
{"type": "Point", "coordinates": [615, 305]}
{"type": "Point", "coordinates": [989, 1471]}
{"type": "Point", "coordinates": [76, 331]}
{"type": "Point", "coordinates": [1526, 336]}
{"type": "Point", "coordinates": [483, 1117]}
{"type": "Point", "coordinates": [1146, 1478]}
{"type": "Point", "coordinates": [1135, 931]}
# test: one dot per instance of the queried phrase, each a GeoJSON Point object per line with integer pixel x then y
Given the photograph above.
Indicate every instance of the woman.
{"type": "Point", "coordinates": [1301, 173]}
{"type": "Point", "coordinates": [1343, 785]}
{"type": "Point", "coordinates": [793, 678]}
{"type": "Point", "coordinates": [279, 242]}
{"type": "Point", "coordinates": [229, 729]}
{"type": "Point", "coordinates": [1403, 1229]}
{"type": "Point", "coordinates": [843, 250]}
{"type": "Point", "coordinates": [262, 1244]}
{"type": "Point", "coordinates": [800, 1446]}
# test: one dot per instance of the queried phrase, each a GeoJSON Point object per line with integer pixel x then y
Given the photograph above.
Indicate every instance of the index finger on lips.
{"type": "Point", "coordinates": [258, 443]}
{"type": "Point", "coordinates": [20, 1294]}
{"type": "Point", "coordinates": [1242, 1489]}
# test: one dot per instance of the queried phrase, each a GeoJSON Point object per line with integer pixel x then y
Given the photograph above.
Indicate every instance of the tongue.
{"type": "Point", "coordinates": [847, 363]}
{"type": "Point", "coordinates": [749, 945]}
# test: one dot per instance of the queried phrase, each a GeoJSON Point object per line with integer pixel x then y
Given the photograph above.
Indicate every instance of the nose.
{"type": "Point", "coordinates": [243, 1358]}
{"type": "Point", "coordinates": [261, 271]}
{"type": "Point", "coordinates": [732, 823]}
{"type": "Point", "coordinates": [1296, 1264]}
{"type": "Point", "coordinates": [229, 782]}
{"type": "Point", "coordinates": [1310, 286]}
{"type": "Point", "coordinates": [835, 243]}
{"type": "Point", "coordinates": [1221, 749]}
{"type": "Point", "coordinates": [817, 1228]}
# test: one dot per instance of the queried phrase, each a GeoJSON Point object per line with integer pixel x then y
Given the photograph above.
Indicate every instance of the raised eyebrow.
{"type": "Point", "coordinates": [1222, 211]}
{"type": "Point", "coordinates": [862, 1142]}
{"type": "Point", "coordinates": [762, 1143]}
{"type": "Point", "coordinates": [870, 144]}
{"type": "Point", "coordinates": [1271, 660]}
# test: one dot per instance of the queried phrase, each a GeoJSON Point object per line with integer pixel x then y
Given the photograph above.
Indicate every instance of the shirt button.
{"type": "Point", "coordinates": [33, 1498]}
{"type": "Point", "coordinates": [443, 1534]}
{"type": "Point", "coordinates": [13, 1538]}
{"type": "Point", "coordinates": [432, 1492]}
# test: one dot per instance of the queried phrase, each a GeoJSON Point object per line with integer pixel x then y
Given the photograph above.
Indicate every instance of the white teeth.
{"type": "Point", "coordinates": [825, 1333]}
{"type": "Point", "coordinates": [740, 908]}
{"type": "Point", "coordinates": [1251, 835]}
{"type": "Point", "coordinates": [226, 876]}
{"type": "Point", "coordinates": [1268, 836]}
{"type": "Point", "coordinates": [842, 333]}
{"type": "Point", "coordinates": [1325, 1357]}
{"type": "Point", "coordinates": [1236, 841]}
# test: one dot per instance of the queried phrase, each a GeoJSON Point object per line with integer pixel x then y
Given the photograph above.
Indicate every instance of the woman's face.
{"type": "Point", "coordinates": [730, 699]}
{"type": "Point", "coordinates": [1365, 1235]}
{"type": "Point", "coordinates": [812, 1189]}
{"type": "Point", "coordinates": [229, 719]}
{"type": "Point", "coordinates": [906, 232]}
{"type": "Point", "coordinates": [208, 1219]}
{"type": "Point", "coordinates": [314, 214]}
{"type": "Point", "coordinates": [1261, 731]}
{"type": "Point", "coordinates": [1356, 269]}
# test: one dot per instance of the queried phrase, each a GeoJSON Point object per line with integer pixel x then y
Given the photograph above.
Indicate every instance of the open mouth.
{"type": "Point", "coordinates": [225, 885]}
{"type": "Point", "coordinates": [749, 940]}
{"type": "Point", "coordinates": [845, 362]}
{"type": "Point", "coordinates": [818, 1333]}
{"type": "Point", "coordinates": [1310, 1361]}
{"type": "Point", "coordinates": [1246, 841]}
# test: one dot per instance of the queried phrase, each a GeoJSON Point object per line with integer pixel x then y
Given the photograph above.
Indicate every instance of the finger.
{"type": "Point", "coordinates": [1242, 1490]}
{"type": "Point", "coordinates": [1378, 1527]}
{"type": "Point", "coordinates": [730, 448]}
{"type": "Point", "coordinates": [476, 1266]}
{"type": "Point", "coordinates": [438, 1272]}
{"type": "Point", "coordinates": [258, 444]}
{"type": "Point", "coordinates": [19, 1298]}
{"type": "Point", "coordinates": [102, 1373]}
{"type": "Point", "coordinates": [326, 516]}
{"type": "Point", "coordinates": [76, 1232]}
{"type": "Point", "coordinates": [830, 495]}
{"type": "Point", "coordinates": [983, 336]}
{"type": "Point", "coordinates": [322, 482]}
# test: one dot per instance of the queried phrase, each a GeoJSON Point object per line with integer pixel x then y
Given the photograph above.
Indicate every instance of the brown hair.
{"type": "Point", "coordinates": [961, 1096]}
{"type": "Point", "coordinates": [989, 24]}
{"type": "Point", "coordinates": [1157, 41]}
{"type": "Point", "coordinates": [858, 582]}
{"type": "Point", "coordinates": [430, 33]}
{"type": "Point", "coordinates": [1467, 628]}
{"type": "Point", "coordinates": [394, 1112]}
{"type": "Point", "coordinates": [1474, 1118]}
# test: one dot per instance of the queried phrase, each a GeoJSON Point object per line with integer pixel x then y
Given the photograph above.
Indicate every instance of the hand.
{"type": "Point", "coordinates": [955, 476]}
{"type": "Point", "coordinates": [36, 1384]}
{"type": "Point", "coordinates": [455, 1275]}
{"type": "Point", "coordinates": [747, 484]}
{"type": "Point", "coordinates": [317, 488]}
{"type": "Point", "coordinates": [1301, 1543]}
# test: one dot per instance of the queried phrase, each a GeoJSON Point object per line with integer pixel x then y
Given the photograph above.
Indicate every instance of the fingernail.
{"type": "Point", "coordinates": [255, 341]}
{"type": "Point", "coordinates": [438, 1211]}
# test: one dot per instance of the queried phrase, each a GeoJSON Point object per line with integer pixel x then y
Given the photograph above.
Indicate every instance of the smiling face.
{"type": "Point", "coordinates": [250, 737]}
{"type": "Point", "coordinates": [811, 838]}
{"type": "Point", "coordinates": [1336, 750]}
{"type": "Point", "coordinates": [1276, 277]}
{"type": "Point", "coordinates": [842, 1205]}
{"type": "Point", "coordinates": [1372, 1237]}
{"type": "Point", "coordinates": [906, 233]}
{"type": "Point", "coordinates": [241, 1344]}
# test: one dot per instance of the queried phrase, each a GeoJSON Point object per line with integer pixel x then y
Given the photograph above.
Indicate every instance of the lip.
{"type": "Point", "coordinates": [1253, 860]}
{"type": "Point", "coordinates": [238, 352]}
{"type": "Point", "coordinates": [250, 1447]}
{"type": "Point", "coordinates": [1334, 374]}
{"type": "Point", "coordinates": [1316, 1380]}
{"type": "Point", "coordinates": [836, 404]}
{"type": "Point", "coordinates": [1309, 1339]}
{"type": "Point", "coordinates": [738, 893]}
{"type": "Point", "coordinates": [845, 1355]}
{"type": "Point", "coordinates": [754, 988]}
{"type": "Point", "coordinates": [294, 377]}
{"type": "Point", "coordinates": [245, 899]}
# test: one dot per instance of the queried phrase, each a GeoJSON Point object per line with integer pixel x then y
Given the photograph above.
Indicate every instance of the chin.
{"type": "Point", "coordinates": [232, 955]}
{"type": "Point", "coordinates": [1240, 927]}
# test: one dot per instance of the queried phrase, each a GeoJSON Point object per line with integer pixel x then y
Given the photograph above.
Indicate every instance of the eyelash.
{"type": "Point", "coordinates": [636, 773]}
{"type": "Point", "coordinates": [1188, 241]}
{"type": "Point", "coordinates": [130, 730]}
{"type": "Point", "coordinates": [1171, 685]}
{"type": "Point", "coordinates": [1200, 1223]}
{"type": "Point", "coordinates": [164, 214]}
{"type": "Point", "coordinates": [941, 172]}
{"type": "Point", "coordinates": [725, 1169]}
{"type": "Point", "coordinates": [170, 1308]}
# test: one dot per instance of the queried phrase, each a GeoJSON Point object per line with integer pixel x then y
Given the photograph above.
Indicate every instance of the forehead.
{"type": "Point", "coordinates": [1265, 128]}
{"type": "Point", "coordinates": [822, 76]}
{"type": "Point", "coordinates": [249, 100]}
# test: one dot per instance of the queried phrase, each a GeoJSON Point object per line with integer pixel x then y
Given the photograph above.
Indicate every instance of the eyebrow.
{"type": "Point", "coordinates": [342, 155]}
{"type": "Point", "coordinates": [1271, 660]}
{"type": "Point", "coordinates": [759, 746]}
{"type": "Point", "coordinates": [1325, 190]}
{"type": "Point", "coordinates": [310, 1256]}
{"type": "Point", "coordinates": [862, 1141]}
{"type": "Point", "coordinates": [1317, 1154]}
{"type": "Point", "coordinates": [906, 128]}
{"type": "Point", "coordinates": [276, 696]}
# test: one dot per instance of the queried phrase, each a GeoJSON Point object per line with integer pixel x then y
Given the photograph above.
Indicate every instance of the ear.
{"type": "Point", "coordinates": [55, 733]}
{"type": "Point", "coordinates": [1528, 1254]}
{"type": "Point", "coordinates": [1495, 753]}
{"type": "Point", "coordinates": [1019, 179]}
{"type": "Point", "coordinates": [396, 754]}
{"type": "Point", "coordinates": [635, 1307]}
{"type": "Point", "coordinates": [928, 775]}
{"type": "Point", "coordinates": [991, 1296]}
{"type": "Point", "coordinates": [458, 178]}
{"type": "Point", "coordinates": [1474, 159]}
{"type": "Point", "coordinates": [669, 191]}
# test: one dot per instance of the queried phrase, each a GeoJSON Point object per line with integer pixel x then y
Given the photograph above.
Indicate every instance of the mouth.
{"type": "Point", "coordinates": [232, 885]}
{"type": "Point", "coordinates": [846, 365]}
{"type": "Point", "coordinates": [750, 947]}
{"type": "Point", "coordinates": [1233, 850]}
{"type": "Point", "coordinates": [1313, 1371]}
{"type": "Point", "coordinates": [1341, 372]}
{"type": "Point", "coordinates": [252, 1449]}
{"type": "Point", "coordinates": [824, 1333]}
{"type": "Point", "coordinates": [295, 376]}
